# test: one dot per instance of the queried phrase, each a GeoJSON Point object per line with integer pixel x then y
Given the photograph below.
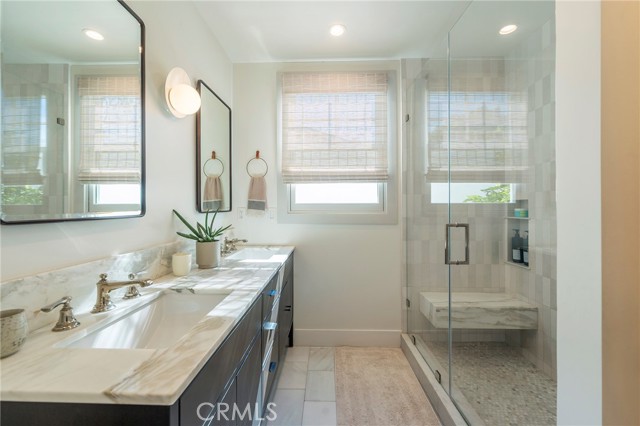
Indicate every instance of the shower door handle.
{"type": "Point", "coordinates": [447, 255]}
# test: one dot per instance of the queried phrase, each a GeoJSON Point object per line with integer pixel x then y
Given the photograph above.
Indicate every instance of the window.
{"type": "Point", "coordinates": [109, 135]}
{"type": "Point", "coordinates": [477, 136]}
{"type": "Point", "coordinates": [484, 193]}
{"type": "Point", "coordinates": [337, 149]}
{"type": "Point", "coordinates": [114, 197]}
{"type": "Point", "coordinates": [336, 197]}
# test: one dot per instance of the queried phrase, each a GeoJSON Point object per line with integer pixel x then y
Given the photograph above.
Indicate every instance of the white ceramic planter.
{"type": "Point", "coordinates": [208, 254]}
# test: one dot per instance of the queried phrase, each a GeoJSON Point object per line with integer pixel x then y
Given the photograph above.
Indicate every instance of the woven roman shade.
{"type": "Point", "coordinates": [334, 127]}
{"type": "Point", "coordinates": [110, 134]}
{"type": "Point", "coordinates": [486, 123]}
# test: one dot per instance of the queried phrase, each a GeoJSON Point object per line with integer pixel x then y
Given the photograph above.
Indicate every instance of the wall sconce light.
{"type": "Point", "coordinates": [182, 99]}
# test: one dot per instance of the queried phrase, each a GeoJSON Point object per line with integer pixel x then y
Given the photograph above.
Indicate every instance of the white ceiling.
{"type": "Point", "coordinates": [280, 31]}
{"type": "Point", "coordinates": [51, 32]}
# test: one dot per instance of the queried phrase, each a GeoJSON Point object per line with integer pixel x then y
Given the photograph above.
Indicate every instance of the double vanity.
{"type": "Point", "coordinates": [200, 349]}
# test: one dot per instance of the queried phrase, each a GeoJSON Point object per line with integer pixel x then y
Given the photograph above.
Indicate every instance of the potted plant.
{"type": "Point", "coordinates": [207, 240]}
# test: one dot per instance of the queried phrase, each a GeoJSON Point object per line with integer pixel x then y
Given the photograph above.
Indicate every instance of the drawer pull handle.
{"type": "Point", "coordinates": [270, 325]}
{"type": "Point", "coordinates": [287, 309]}
{"type": "Point", "coordinates": [272, 366]}
{"type": "Point", "coordinates": [272, 293]}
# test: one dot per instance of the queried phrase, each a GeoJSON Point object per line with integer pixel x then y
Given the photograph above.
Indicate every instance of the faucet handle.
{"type": "Point", "coordinates": [103, 277]}
{"type": "Point", "coordinates": [66, 321]}
{"type": "Point", "coordinates": [132, 291]}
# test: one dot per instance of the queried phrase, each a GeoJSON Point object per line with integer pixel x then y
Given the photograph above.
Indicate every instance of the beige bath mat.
{"type": "Point", "coordinates": [376, 387]}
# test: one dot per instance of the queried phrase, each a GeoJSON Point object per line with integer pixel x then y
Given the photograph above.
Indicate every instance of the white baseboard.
{"type": "Point", "coordinates": [324, 337]}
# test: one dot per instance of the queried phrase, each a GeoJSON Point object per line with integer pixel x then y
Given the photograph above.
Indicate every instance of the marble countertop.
{"type": "Point", "coordinates": [42, 371]}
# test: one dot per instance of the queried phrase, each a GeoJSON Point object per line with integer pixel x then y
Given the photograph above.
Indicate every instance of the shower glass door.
{"type": "Point", "coordinates": [481, 230]}
{"type": "Point", "coordinates": [501, 183]}
{"type": "Point", "coordinates": [426, 124]}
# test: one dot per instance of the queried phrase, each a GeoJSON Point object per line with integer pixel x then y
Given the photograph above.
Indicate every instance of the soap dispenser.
{"type": "Point", "coordinates": [524, 249]}
{"type": "Point", "coordinates": [516, 243]}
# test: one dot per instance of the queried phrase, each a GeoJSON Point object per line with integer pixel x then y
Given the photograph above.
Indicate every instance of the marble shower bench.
{"type": "Point", "coordinates": [496, 311]}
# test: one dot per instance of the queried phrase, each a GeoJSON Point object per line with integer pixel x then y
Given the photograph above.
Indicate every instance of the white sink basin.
{"type": "Point", "coordinates": [156, 324]}
{"type": "Point", "coordinates": [254, 253]}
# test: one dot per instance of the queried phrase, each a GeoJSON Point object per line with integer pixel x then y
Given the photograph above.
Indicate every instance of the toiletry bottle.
{"type": "Point", "coordinates": [516, 243]}
{"type": "Point", "coordinates": [524, 250]}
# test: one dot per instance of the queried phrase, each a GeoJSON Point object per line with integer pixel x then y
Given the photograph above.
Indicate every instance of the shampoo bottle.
{"type": "Point", "coordinates": [524, 250]}
{"type": "Point", "coordinates": [516, 244]}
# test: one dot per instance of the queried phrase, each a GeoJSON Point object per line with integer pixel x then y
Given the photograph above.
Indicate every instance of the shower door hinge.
{"type": "Point", "coordinates": [406, 118]}
{"type": "Point", "coordinates": [438, 376]}
{"type": "Point", "coordinates": [408, 303]}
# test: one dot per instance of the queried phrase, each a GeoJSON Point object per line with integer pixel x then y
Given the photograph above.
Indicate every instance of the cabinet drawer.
{"type": "Point", "coordinates": [271, 370]}
{"type": "Point", "coordinates": [221, 367]}
{"type": "Point", "coordinates": [269, 295]}
{"type": "Point", "coordinates": [248, 380]}
{"type": "Point", "coordinates": [223, 411]}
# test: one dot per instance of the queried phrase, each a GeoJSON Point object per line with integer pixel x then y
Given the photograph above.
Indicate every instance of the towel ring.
{"type": "Point", "coordinates": [257, 157]}
{"type": "Point", "coordinates": [213, 158]}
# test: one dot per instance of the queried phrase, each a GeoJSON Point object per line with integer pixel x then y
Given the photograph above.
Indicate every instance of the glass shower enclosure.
{"type": "Point", "coordinates": [480, 213]}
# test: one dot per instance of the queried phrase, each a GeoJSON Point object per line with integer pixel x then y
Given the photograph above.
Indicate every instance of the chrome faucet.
{"type": "Point", "coordinates": [103, 300]}
{"type": "Point", "coordinates": [229, 246]}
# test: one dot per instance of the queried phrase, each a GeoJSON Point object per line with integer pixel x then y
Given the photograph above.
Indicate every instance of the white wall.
{"type": "Point", "coordinates": [579, 218]}
{"type": "Point", "coordinates": [170, 154]}
{"type": "Point", "coordinates": [347, 277]}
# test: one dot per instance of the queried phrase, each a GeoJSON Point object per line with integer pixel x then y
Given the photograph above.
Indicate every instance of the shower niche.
{"type": "Point", "coordinates": [518, 235]}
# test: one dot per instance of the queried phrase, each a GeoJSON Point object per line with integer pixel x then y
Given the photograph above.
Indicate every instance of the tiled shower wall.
{"type": "Point", "coordinates": [530, 69]}
{"type": "Point", "coordinates": [47, 86]}
{"type": "Point", "coordinates": [526, 72]}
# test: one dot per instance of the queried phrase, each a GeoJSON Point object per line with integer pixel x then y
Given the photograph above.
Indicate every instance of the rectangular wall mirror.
{"type": "Point", "coordinates": [213, 152]}
{"type": "Point", "coordinates": [72, 125]}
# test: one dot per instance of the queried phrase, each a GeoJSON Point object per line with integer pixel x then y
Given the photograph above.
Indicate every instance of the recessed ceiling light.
{"type": "Point", "coordinates": [337, 30]}
{"type": "Point", "coordinates": [93, 34]}
{"type": "Point", "coordinates": [508, 29]}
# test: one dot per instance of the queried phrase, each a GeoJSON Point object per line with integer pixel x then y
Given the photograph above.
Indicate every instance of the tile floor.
{"type": "Point", "coordinates": [306, 392]}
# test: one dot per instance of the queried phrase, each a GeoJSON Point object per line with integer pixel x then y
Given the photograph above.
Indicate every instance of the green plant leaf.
{"type": "Point", "coordinates": [203, 233]}
{"type": "Point", "coordinates": [189, 236]}
{"type": "Point", "coordinates": [187, 224]}
{"type": "Point", "coordinates": [206, 223]}
{"type": "Point", "coordinates": [213, 219]}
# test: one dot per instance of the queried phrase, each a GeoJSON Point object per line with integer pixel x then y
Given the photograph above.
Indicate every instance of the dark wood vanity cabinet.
{"type": "Point", "coordinates": [284, 332]}
{"type": "Point", "coordinates": [200, 401]}
{"type": "Point", "coordinates": [232, 375]}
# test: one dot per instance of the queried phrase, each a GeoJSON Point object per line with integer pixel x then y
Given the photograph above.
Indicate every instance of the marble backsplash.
{"type": "Point", "coordinates": [79, 281]}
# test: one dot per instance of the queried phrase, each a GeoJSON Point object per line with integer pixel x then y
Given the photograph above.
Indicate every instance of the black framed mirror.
{"type": "Point", "coordinates": [213, 152]}
{"type": "Point", "coordinates": [72, 122]}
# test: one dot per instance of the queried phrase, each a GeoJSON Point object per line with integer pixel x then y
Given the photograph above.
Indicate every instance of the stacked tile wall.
{"type": "Point", "coordinates": [530, 69]}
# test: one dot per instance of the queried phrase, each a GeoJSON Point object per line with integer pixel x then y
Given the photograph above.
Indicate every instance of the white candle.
{"type": "Point", "coordinates": [181, 263]}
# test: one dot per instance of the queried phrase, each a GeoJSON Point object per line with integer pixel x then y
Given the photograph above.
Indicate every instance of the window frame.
{"type": "Point", "coordinates": [83, 195]}
{"type": "Point", "coordinates": [381, 213]}
{"type": "Point", "coordinates": [339, 208]}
